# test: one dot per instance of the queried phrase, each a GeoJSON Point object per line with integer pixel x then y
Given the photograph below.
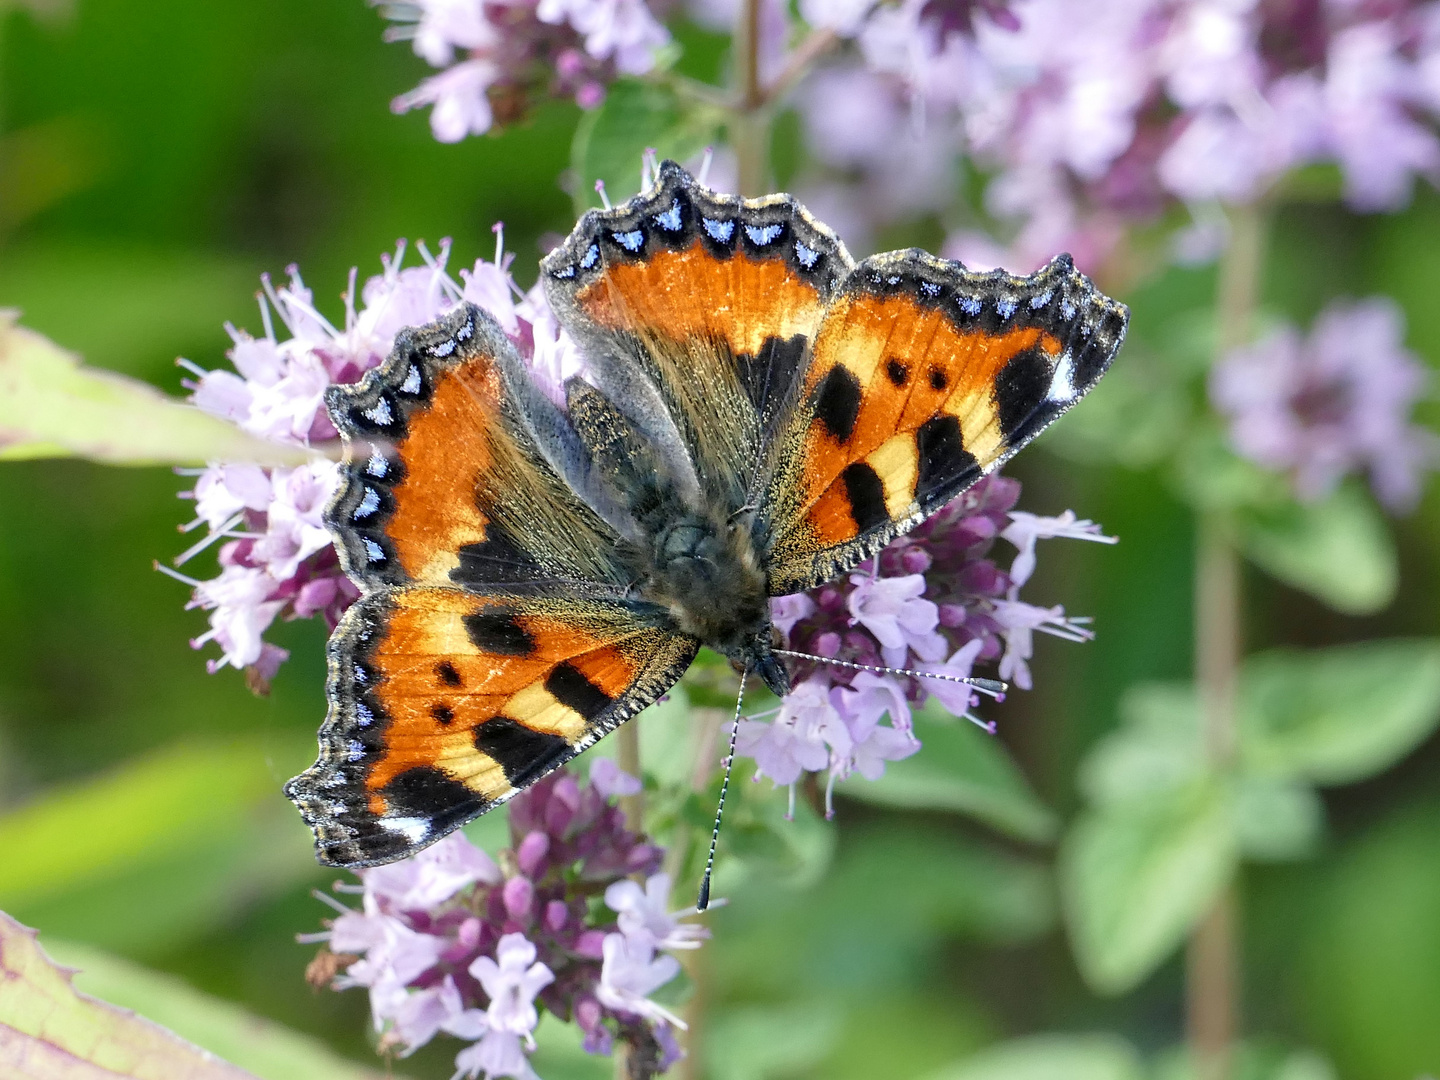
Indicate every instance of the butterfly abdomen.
{"type": "Point", "coordinates": [689, 559]}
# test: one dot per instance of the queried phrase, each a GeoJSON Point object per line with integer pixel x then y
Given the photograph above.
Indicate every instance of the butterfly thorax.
{"type": "Point", "coordinates": [689, 552]}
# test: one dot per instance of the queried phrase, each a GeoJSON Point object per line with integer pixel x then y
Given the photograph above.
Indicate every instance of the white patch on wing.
{"type": "Point", "coordinates": [414, 829]}
{"type": "Point", "coordinates": [1062, 382]}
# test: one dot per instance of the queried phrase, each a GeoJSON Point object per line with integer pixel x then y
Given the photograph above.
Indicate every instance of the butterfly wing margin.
{"type": "Point", "coordinates": [446, 703]}
{"type": "Point", "coordinates": [698, 309]}
{"type": "Point", "coordinates": [924, 377]}
{"type": "Point", "coordinates": [440, 441]}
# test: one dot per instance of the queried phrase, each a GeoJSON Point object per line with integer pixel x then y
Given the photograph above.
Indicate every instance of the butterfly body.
{"type": "Point", "coordinates": [695, 557]}
{"type": "Point", "coordinates": [758, 414]}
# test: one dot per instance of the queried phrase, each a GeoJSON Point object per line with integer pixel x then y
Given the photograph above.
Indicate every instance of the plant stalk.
{"type": "Point", "coordinates": [1213, 985]}
{"type": "Point", "coordinates": [750, 122]}
{"type": "Point", "coordinates": [627, 753]}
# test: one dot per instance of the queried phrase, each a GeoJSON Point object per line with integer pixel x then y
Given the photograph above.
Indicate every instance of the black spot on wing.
{"type": "Point", "coordinates": [942, 456]}
{"type": "Point", "coordinates": [431, 793]}
{"type": "Point", "coordinates": [523, 753]}
{"type": "Point", "coordinates": [896, 372]}
{"type": "Point", "coordinates": [496, 630]}
{"type": "Point", "coordinates": [496, 560]}
{"type": "Point", "coordinates": [769, 377]}
{"type": "Point", "coordinates": [446, 673]}
{"type": "Point", "coordinates": [837, 402]}
{"type": "Point", "coordinates": [1020, 388]}
{"type": "Point", "coordinates": [442, 713]}
{"type": "Point", "coordinates": [866, 494]}
{"type": "Point", "coordinates": [569, 686]}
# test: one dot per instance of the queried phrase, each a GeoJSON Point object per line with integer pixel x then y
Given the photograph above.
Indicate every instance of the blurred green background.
{"type": "Point", "coordinates": [156, 158]}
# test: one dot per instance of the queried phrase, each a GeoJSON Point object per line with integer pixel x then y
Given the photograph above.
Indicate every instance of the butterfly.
{"type": "Point", "coordinates": [758, 415]}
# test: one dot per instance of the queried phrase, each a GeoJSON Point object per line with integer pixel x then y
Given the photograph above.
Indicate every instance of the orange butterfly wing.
{"type": "Point", "coordinates": [442, 481]}
{"type": "Point", "coordinates": [447, 702]}
{"type": "Point", "coordinates": [923, 378]}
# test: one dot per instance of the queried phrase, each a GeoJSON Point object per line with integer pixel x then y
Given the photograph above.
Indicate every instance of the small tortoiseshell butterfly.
{"type": "Point", "coordinates": [759, 414]}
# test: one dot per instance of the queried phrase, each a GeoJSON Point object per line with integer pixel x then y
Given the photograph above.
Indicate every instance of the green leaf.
{"type": "Point", "coordinates": [267, 1049]}
{"type": "Point", "coordinates": [1157, 747]}
{"type": "Point", "coordinates": [151, 806]}
{"type": "Point", "coordinates": [1338, 550]}
{"type": "Point", "coordinates": [961, 769]}
{"type": "Point", "coordinates": [51, 405]}
{"type": "Point", "coordinates": [1050, 1057]}
{"type": "Point", "coordinates": [760, 1042]}
{"type": "Point", "coordinates": [1334, 716]}
{"type": "Point", "coordinates": [192, 835]}
{"type": "Point", "coordinates": [761, 841]}
{"type": "Point", "coordinates": [1276, 821]}
{"type": "Point", "coordinates": [637, 115]}
{"type": "Point", "coordinates": [55, 1032]}
{"type": "Point", "coordinates": [1135, 877]}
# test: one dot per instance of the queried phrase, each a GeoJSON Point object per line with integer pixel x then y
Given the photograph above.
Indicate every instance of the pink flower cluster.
{"type": "Point", "coordinates": [449, 941]}
{"type": "Point", "coordinates": [933, 601]}
{"type": "Point", "coordinates": [276, 557]}
{"type": "Point", "coordinates": [1089, 123]}
{"type": "Point", "coordinates": [498, 56]}
{"type": "Point", "coordinates": [1335, 402]}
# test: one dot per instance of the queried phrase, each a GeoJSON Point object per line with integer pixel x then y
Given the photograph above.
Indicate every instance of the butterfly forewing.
{"type": "Point", "coordinates": [923, 378]}
{"type": "Point", "coordinates": [443, 485]}
{"type": "Point", "coordinates": [715, 298]}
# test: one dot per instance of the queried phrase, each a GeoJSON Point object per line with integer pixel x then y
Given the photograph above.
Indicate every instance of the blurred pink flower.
{"type": "Point", "coordinates": [497, 59]}
{"type": "Point", "coordinates": [1333, 403]}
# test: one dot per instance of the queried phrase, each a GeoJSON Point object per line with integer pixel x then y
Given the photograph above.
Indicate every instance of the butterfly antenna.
{"type": "Point", "coordinates": [994, 687]}
{"type": "Point", "coordinates": [704, 900]}
{"type": "Point", "coordinates": [600, 190]}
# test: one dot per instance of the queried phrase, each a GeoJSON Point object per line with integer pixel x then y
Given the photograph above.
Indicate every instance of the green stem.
{"type": "Point", "coordinates": [627, 752]}
{"type": "Point", "coordinates": [750, 123]}
{"type": "Point", "coordinates": [1213, 958]}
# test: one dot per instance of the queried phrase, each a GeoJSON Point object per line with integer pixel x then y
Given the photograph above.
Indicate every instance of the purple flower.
{"type": "Point", "coordinates": [895, 612]}
{"type": "Point", "coordinates": [631, 973]}
{"type": "Point", "coordinates": [1334, 403]}
{"type": "Point", "coordinates": [612, 781]}
{"type": "Point", "coordinates": [647, 911]}
{"type": "Point", "coordinates": [447, 943]}
{"type": "Point", "coordinates": [1087, 126]}
{"type": "Point", "coordinates": [276, 556]}
{"type": "Point", "coordinates": [433, 876]}
{"type": "Point", "coordinates": [511, 981]}
{"type": "Point", "coordinates": [496, 60]}
{"type": "Point", "coordinates": [800, 739]}
{"type": "Point", "coordinates": [933, 601]}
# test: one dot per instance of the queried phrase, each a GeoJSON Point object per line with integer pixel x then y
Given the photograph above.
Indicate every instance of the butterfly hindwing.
{"type": "Point", "coordinates": [447, 702]}
{"type": "Point", "coordinates": [714, 299]}
{"type": "Point", "coordinates": [923, 378]}
{"type": "Point", "coordinates": [442, 482]}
